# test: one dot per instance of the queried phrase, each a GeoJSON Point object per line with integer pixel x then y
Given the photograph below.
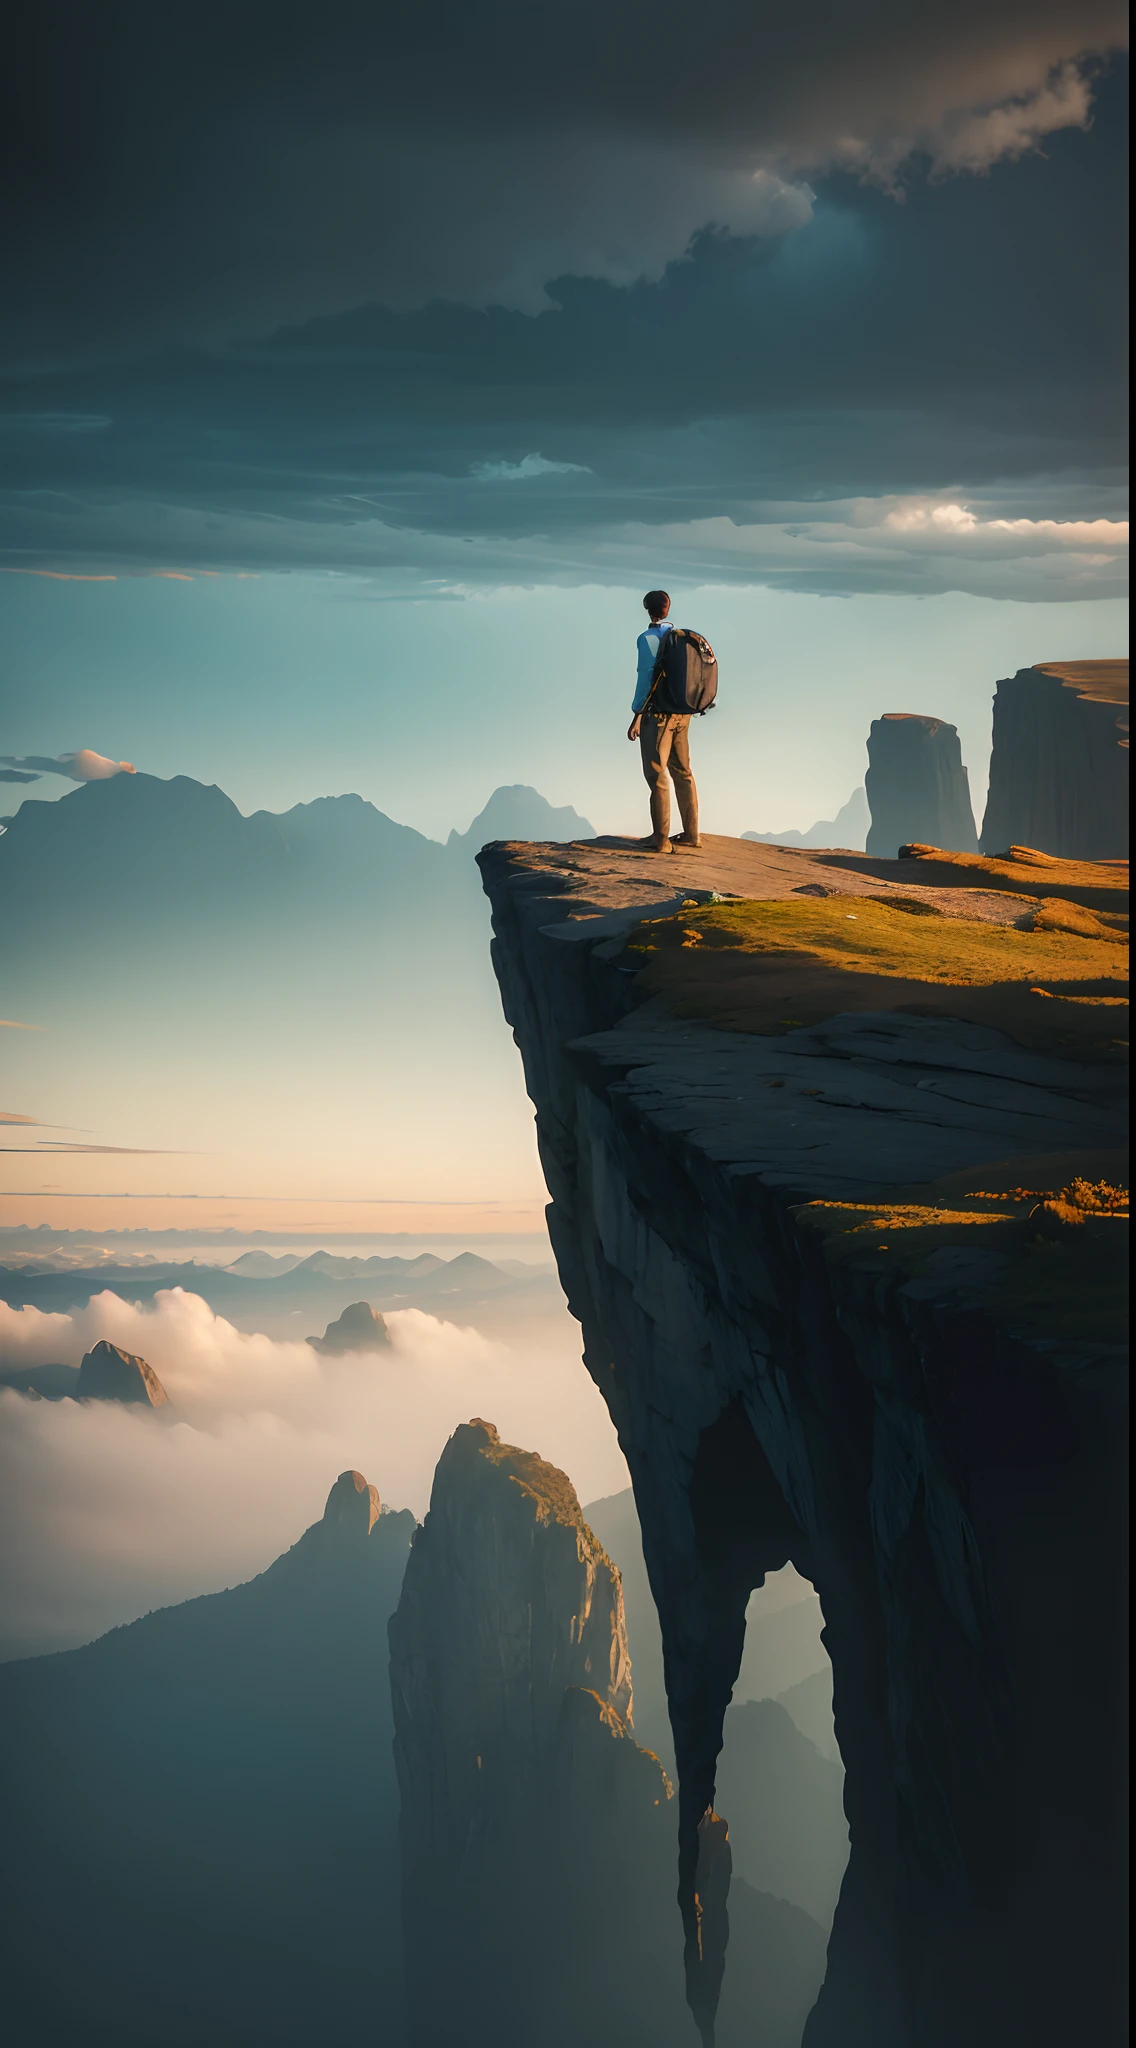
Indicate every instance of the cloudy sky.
{"type": "Point", "coordinates": [434, 336]}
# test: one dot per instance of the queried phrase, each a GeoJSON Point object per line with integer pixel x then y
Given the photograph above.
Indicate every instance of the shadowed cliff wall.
{"type": "Point", "coordinates": [538, 1838]}
{"type": "Point", "coordinates": [1059, 766]}
{"type": "Point", "coordinates": [918, 789]}
{"type": "Point", "coordinates": [952, 1484]}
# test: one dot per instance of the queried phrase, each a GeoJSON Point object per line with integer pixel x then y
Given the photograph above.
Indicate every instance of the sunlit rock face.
{"type": "Point", "coordinates": [353, 1507]}
{"type": "Point", "coordinates": [108, 1373]}
{"type": "Point", "coordinates": [525, 1798]}
{"type": "Point", "coordinates": [1059, 766]}
{"type": "Point", "coordinates": [938, 1454]}
{"type": "Point", "coordinates": [538, 1837]}
{"type": "Point", "coordinates": [917, 787]}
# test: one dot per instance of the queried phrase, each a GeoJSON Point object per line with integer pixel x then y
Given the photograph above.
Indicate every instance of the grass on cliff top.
{"type": "Point", "coordinates": [1063, 1270]}
{"type": "Point", "coordinates": [770, 967]}
{"type": "Point", "coordinates": [1102, 885]}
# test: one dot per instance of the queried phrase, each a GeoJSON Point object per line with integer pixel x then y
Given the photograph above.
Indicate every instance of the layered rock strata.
{"type": "Point", "coordinates": [933, 1437]}
{"type": "Point", "coordinates": [1059, 765]}
{"type": "Point", "coordinates": [917, 786]}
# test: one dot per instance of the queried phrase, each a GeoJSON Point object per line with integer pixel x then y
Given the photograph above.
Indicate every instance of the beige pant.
{"type": "Point", "coordinates": [665, 747]}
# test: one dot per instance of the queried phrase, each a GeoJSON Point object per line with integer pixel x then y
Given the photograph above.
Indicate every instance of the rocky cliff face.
{"type": "Point", "coordinates": [939, 1455]}
{"type": "Point", "coordinates": [511, 1685]}
{"type": "Point", "coordinates": [538, 1838]}
{"type": "Point", "coordinates": [917, 787]}
{"type": "Point", "coordinates": [1059, 766]}
{"type": "Point", "coordinates": [108, 1373]}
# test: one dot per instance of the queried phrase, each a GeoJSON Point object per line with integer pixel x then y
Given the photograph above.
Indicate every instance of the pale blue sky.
{"type": "Point", "coordinates": [283, 688]}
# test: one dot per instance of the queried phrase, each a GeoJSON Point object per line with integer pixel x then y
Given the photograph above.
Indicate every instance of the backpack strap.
{"type": "Point", "coordinates": [659, 669]}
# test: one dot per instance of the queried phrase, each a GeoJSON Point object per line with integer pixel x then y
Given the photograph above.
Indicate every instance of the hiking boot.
{"type": "Point", "coordinates": [682, 841]}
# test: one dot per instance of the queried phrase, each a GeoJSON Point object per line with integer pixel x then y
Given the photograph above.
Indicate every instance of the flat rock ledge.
{"type": "Point", "coordinates": [933, 1439]}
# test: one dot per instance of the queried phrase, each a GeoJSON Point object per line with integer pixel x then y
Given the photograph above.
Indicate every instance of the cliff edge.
{"type": "Point", "coordinates": [832, 1147]}
{"type": "Point", "coordinates": [1059, 765]}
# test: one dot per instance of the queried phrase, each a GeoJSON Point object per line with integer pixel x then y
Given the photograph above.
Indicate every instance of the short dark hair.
{"type": "Point", "coordinates": [656, 602]}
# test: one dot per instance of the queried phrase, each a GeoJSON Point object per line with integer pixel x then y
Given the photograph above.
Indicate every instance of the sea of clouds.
{"type": "Point", "coordinates": [108, 1511]}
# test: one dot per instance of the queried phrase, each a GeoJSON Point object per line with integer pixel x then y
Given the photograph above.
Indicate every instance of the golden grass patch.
{"type": "Point", "coordinates": [1102, 884]}
{"type": "Point", "coordinates": [770, 966]}
{"type": "Point", "coordinates": [1072, 1285]}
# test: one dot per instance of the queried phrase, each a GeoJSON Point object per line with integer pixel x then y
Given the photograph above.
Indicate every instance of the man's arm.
{"type": "Point", "coordinates": [648, 653]}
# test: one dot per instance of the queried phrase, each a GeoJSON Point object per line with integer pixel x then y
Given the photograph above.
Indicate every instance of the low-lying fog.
{"type": "Point", "coordinates": [107, 1511]}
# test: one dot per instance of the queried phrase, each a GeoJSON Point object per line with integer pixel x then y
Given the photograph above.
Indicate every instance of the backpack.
{"type": "Point", "coordinates": [686, 674]}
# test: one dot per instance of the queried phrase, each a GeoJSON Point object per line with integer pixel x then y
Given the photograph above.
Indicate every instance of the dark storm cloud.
{"type": "Point", "coordinates": [203, 170]}
{"type": "Point", "coordinates": [799, 394]}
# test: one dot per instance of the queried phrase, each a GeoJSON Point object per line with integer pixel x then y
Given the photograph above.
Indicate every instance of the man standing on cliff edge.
{"type": "Point", "coordinates": [664, 742]}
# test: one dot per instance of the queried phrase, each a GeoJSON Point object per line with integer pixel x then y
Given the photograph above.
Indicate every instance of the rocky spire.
{"type": "Point", "coordinates": [353, 1507]}
{"type": "Point", "coordinates": [535, 1830]}
{"type": "Point", "coordinates": [108, 1373]}
{"type": "Point", "coordinates": [917, 786]}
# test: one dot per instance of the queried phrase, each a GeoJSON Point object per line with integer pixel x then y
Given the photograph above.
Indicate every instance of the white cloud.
{"type": "Point", "coordinates": [976, 141]}
{"type": "Point", "coordinates": [947, 521]}
{"type": "Point", "coordinates": [82, 766]}
{"type": "Point", "coordinates": [528, 466]}
{"type": "Point", "coordinates": [974, 133]}
{"type": "Point", "coordinates": [87, 766]}
{"type": "Point", "coordinates": [107, 1511]}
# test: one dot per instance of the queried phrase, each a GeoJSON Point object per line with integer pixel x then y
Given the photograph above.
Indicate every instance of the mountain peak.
{"type": "Point", "coordinates": [108, 1373]}
{"type": "Point", "coordinates": [517, 812]}
{"type": "Point", "coordinates": [359, 1328]}
{"type": "Point", "coordinates": [353, 1508]}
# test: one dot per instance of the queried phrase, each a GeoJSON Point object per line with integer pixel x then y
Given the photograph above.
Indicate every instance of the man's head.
{"type": "Point", "coordinates": [656, 604]}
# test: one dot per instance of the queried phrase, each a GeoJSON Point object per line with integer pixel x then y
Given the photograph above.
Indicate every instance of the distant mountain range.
{"type": "Point", "coordinates": [322, 1285]}
{"type": "Point", "coordinates": [312, 986]}
{"type": "Point", "coordinates": [184, 844]}
{"type": "Point", "coordinates": [849, 828]}
{"type": "Point", "coordinates": [200, 1812]}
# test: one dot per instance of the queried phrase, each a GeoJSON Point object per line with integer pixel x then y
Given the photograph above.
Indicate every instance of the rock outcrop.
{"type": "Point", "coordinates": [108, 1373]}
{"type": "Point", "coordinates": [825, 1338]}
{"type": "Point", "coordinates": [353, 1507]}
{"type": "Point", "coordinates": [511, 1686]}
{"type": "Point", "coordinates": [359, 1328]}
{"type": "Point", "coordinates": [917, 786]}
{"type": "Point", "coordinates": [538, 1838]}
{"type": "Point", "coordinates": [1059, 765]}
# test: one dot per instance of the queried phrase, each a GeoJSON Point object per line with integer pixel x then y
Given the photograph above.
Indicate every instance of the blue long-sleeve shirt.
{"type": "Point", "coordinates": [648, 650]}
